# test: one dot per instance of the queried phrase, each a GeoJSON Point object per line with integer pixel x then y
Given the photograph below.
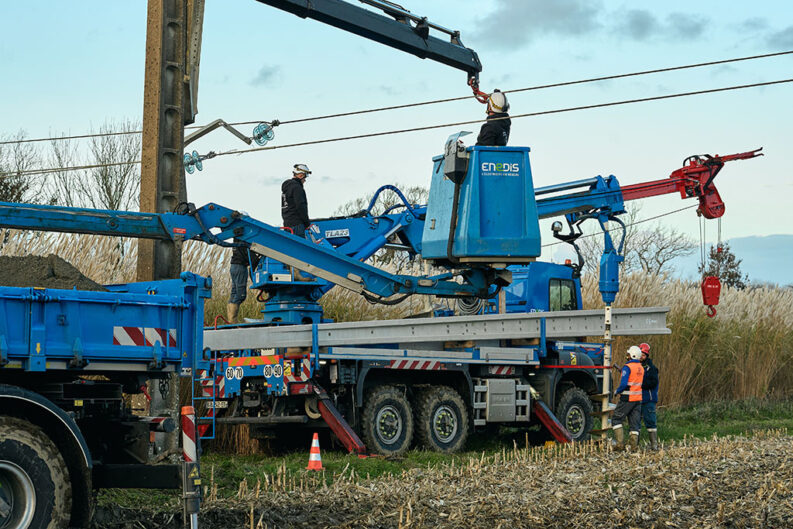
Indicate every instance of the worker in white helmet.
{"type": "Point", "coordinates": [495, 131]}
{"type": "Point", "coordinates": [630, 404]}
{"type": "Point", "coordinates": [294, 207]}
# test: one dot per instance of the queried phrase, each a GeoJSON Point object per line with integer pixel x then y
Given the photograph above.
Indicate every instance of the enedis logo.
{"type": "Point", "coordinates": [500, 167]}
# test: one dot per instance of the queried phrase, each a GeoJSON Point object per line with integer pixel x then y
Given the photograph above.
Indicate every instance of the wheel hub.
{"type": "Point", "coordinates": [17, 497]}
{"type": "Point", "coordinates": [444, 423]}
{"type": "Point", "coordinates": [389, 424]}
{"type": "Point", "coordinates": [574, 420]}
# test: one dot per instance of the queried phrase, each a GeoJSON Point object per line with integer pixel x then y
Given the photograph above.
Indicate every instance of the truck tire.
{"type": "Point", "coordinates": [34, 481]}
{"type": "Point", "coordinates": [441, 420]}
{"type": "Point", "coordinates": [387, 421]}
{"type": "Point", "coordinates": [574, 411]}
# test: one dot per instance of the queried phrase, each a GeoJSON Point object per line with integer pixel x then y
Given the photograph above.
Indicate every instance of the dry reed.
{"type": "Point", "coordinates": [745, 352]}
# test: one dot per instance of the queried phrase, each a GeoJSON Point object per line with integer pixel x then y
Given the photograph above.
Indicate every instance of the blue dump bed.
{"type": "Point", "coordinates": [145, 326]}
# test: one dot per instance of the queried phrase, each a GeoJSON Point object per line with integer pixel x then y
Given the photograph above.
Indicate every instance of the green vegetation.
{"type": "Point", "coordinates": [228, 474]}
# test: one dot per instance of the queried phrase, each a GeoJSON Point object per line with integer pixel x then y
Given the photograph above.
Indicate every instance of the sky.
{"type": "Point", "coordinates": [70, 67]}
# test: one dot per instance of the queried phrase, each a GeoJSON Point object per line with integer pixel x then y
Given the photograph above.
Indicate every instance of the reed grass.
{"type": "Point", "coordinates": [746, 351]}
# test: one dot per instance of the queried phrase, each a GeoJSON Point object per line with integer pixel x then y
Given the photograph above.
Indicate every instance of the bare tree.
{"type": "Point", "coordinates": [655, 249]}
{"type": "Point", "coordinates": [64, 188]}
{"type": "Point", "coordinates": [16, 158]}
{"type": "Point", "coordinates": [651, 250]}
{"type": "Point", "coordinates": [107, 186]}
{"type": "Point", "coordinates": [116, 186]}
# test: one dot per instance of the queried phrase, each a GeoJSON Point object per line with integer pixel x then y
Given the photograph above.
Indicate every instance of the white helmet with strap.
{"type": "Point", "coordinates": [497, 101]}
{"type": "Point", "coordinates": [301, 168]}
{"type": "Point", "coordinates": [634, 352]}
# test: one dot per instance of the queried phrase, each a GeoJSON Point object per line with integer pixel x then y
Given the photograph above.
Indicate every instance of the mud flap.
{"type": "Point", "coordinates": [337, 424]}
{"type": "Point", "coordinates": [551, 423]}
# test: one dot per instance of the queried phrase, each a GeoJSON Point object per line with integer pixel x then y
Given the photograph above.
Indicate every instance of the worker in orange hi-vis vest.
{"type": "Point", "coordinates": [630, 404]}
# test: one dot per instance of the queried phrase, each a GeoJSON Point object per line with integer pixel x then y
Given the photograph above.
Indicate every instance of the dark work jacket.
{"type": "Point", "coordinates": [239, 256]}
{"type": "Point", "coordinates": [650, 382]}
{"type": "Point", "coordinates": [294, 204]}
{"type": "Point", "coordinates": [495, 132]}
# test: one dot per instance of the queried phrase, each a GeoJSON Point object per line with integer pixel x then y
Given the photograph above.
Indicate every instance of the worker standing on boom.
{"type": "Point", "coordinates": [630, 404]}
{"type": "Point", "coordinates": [294, 204]}
{"type": "Point", "coordinates": [294, 207]}
{"type": "Point", "coordinates": [495, 131]}
{"type": "Point", "coordinates": [649, 395]}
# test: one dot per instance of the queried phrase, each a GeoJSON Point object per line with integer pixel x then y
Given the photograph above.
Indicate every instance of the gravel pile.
{"type": "Point", "coordinates": [45, 272]}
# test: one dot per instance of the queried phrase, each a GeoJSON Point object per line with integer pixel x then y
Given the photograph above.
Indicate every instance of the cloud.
{"type": "Point", "coordinates": [782, 39]}
{"type": "Point", "coordinates": [514, 24]}
{"type": "Point", "coordinates": [271, 180]}
{"type": "Point", "coordinates": [638, 24]}
{"type": "Point", "coordinates": [266, 75]}
{"type": "Point", "coordinates": [752, 24]}
{"type": "Point", "coordinates": [641, 25]}
{"type": "Point", "coordinates": [686, 27]}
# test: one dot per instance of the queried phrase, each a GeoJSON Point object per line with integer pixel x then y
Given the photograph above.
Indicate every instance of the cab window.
{"type": "Point", "coordinates": [562, 295]}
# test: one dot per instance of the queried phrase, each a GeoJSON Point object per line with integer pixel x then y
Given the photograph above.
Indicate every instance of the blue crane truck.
{"type": "Point", "coordinates": [431, 381]}
{"type": "Point", "coordinates": [69, 360]}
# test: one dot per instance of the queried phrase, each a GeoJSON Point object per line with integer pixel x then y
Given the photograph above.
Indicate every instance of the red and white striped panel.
{"type": "Point", "coordinates": [189, 451]}
{"type": "Point", "coordinates": [305, 372]}
{"type": "Point", "coordinates": [416, 364]}
{"type": "Point", "coordinates": [220, 384]}
{"type": "Point", "coordinates": [146, 336]}
{"type": "Point", "coordinates": [501, 370]}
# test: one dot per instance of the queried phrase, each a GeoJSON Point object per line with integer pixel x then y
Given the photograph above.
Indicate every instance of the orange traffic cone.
{"type": "Point", "coordinates": [314, 459]}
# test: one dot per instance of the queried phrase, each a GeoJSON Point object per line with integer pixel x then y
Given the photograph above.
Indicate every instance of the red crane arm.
{"type": "Point", "coordinates": [694, 179]}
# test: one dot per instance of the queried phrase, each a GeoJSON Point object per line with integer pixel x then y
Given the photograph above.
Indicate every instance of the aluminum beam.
{"type": "Point", "coordinates": [626, 322]}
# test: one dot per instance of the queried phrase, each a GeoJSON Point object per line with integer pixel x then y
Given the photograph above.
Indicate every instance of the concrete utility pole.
{"type": "Point", "coordinates": [169, 102]}
{"type": "Point", "coordinates": [162, 185]}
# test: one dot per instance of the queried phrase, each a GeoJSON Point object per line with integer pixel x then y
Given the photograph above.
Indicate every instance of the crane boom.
{"type": "Point", "coordinates": [397, 32]}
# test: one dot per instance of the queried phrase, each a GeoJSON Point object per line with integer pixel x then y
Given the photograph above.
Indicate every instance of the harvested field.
{"type": "Point", "coordinates": [45, 272]}
{"type": "Point", "coordinates": [737, 482]}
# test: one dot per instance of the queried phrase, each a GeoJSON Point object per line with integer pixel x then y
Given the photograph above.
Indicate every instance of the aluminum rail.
{"type": "Point", "coordinates": [558, 325]}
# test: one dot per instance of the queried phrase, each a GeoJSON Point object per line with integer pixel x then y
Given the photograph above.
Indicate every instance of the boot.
{"type": "Point", "coordinates": [634, 441]}
{"type": "Point", "coordinates": [653, 439]}
{"type": "Point", "coordinates": [619, 437]}
{"type": "Point", "coordinates": [299, 276]}
{"type": "Point", "coordinates": [231, 312]}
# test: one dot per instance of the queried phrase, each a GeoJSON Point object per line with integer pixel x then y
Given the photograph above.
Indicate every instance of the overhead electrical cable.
{"type": "Point", "coordinates": [648, 219]}
{"type": "Point", "coordinates": [430, 127]}
{"type": "Point", "coordinates": [517, 116]}
{"type": "Point", "coordinates": [435, 101]}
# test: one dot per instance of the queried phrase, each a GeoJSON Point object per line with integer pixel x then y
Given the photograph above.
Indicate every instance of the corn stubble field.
{"type": "Point", "coordinates": [723, 482]}
{"type": "Point", "coordinates": [746, 352]}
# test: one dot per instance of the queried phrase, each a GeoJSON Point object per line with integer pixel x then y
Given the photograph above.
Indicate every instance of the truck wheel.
{"type": "Point", "coordinates": [574, 411]}
{"type": "Point", "coordinates": [387, 421]}
{"type": "Point", "coordinates": [35, 490]}
{"type": "Point", "coordinates": [442, 420]}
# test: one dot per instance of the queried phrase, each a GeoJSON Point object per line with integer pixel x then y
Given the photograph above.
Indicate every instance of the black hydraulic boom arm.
{"type": "Point", "coordinates": [403, 30]}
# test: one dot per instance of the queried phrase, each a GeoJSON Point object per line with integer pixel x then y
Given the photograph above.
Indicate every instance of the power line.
{"type": "Point", "coordinates": [530, 114]}
{"type": "Point", "coordinates": [430, 127]}
{"type": "Point", "coordinates": [32, 172]}
{"type": "Point", "coordinates": [435, 101]}
{"type": "Point", "coordinates": [648, 219]}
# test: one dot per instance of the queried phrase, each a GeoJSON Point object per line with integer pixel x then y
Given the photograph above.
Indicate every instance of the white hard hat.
{"type": "Point", "coordinates": [497, 101]}
{"type": "Point", "coordinates": [634, 352]}
{"type": "Point", "coordinates": [301, 168]}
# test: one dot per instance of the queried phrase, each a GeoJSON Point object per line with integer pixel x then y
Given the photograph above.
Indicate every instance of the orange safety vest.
{"type": "Point", "coordinates": [635, 381]}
